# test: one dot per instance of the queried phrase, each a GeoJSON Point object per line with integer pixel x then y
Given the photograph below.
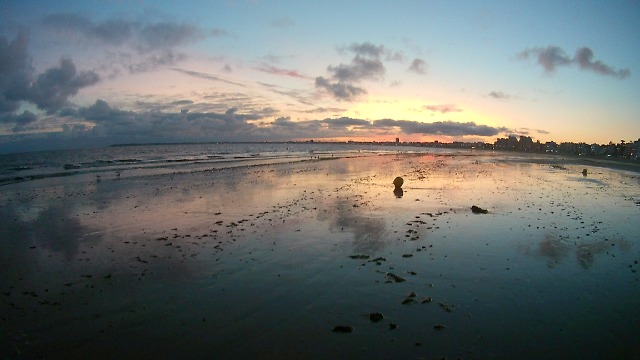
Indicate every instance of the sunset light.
{"type": "Point", "coordinates": [537, 70]}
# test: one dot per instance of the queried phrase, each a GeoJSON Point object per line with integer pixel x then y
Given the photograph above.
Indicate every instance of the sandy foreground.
{"type": "Point", "coordinates": [321, 259]}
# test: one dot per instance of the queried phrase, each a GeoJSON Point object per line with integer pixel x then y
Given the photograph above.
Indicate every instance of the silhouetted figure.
{"type": "Point", "coordinates": [584, 172]}
{"type": "Point", "coordinates": [398, 192]}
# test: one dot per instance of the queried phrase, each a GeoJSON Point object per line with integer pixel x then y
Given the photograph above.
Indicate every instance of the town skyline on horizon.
{"type": "Point", "coordinates": [86, 74]}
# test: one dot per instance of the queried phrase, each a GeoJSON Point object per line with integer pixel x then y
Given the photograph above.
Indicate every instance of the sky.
{"type": "Point", "coordinates": [100, 72]}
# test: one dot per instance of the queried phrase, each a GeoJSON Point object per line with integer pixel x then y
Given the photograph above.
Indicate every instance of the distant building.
{"type": "Point", "coordinates": [510, 143]}
{"type": "Point", "coordinates": [397, 140]}
{"type": "Point", "coordinates": [525, 143]}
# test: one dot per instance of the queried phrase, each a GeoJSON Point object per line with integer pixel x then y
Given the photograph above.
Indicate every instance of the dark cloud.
{"type": "Point", "coordinates": [49, 91]}
{"type": "Point", "coordinates": [499, 95]}
{"type": "Point", "coordinates": [166, 35]}
{"type": "Point", "coordinates": [151, 126]}
{"type": "Point", "coordinates": [344, 126]}
{"type": "Point", "coordinates": [549, 58]}
{"type": "Point", "coordinates": [365, 65]}
{"type": "Point", "coordinates": [322, 110]}
{"type": "Point", "coordinates": [361, 68]}
{"type": "Point", "coordinates": [553, 57]}
{"type": "Point", "coordinates": [584, 58]}
{"type": "Point", "coordinates": [301, 96]}
{"type": "Point", "coordinates": [152, 62]}
{"type": "Point", "coordinates": [182, 102]}
{"type": "Point", "coordinates": [448, 128]}
{"type": "Point", "coordinates": [443, 109]}
{"type": "Point", "coordinates": [340, 90]}
{"type": "Point", "coordinates": [418, 66]}
{"type": "Point", "coordinates": [205, 76]}
{"type": "Point", "coordinates": [344, 122]}
{"type": "Point", "coordinates": [102, 124]}
{"type": "Point", "coordinates": [15, 72]}
{"type": "Point", "coordinates": [145, 37]}
{"type": "Point", "coordinates": [113, 32]}
{"type": "Point", "coordinates": [130, 46]}
{"type": "Point", "coordinates": [21, 122]}
{"type": "Point", "coordinates": [368, 49]}
{"type": "Point", "coordinates": [269, 69]}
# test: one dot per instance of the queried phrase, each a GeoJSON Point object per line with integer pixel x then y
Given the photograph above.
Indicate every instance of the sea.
{"type": "Point", "coordinates": [140, 160]}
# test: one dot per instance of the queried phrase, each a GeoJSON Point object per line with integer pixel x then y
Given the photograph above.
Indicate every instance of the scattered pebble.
{"type": "Point", "coordinates": [343, 329]}
{"type": "Point", "coordinates": [375, 317]}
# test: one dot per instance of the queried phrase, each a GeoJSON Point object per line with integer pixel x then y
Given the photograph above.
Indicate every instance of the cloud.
{"type": "Point", "coordinates": [125, 45]}
{"type": "Point", "coordinates": [584, 58]}
{"type": "Point", "coordinates": [126, 125]}
{"type": "Point", "coordinates": [443, 109]}
{"type": "Point", "coordinates": [21, 122]}
{"type": "Point", "coordinates": [418, 66]}
{"type": "Point", "coordinates": [365, 65]}
{"type": "Point", "coordinates": [341, 126]}
{"type": "Point", "coordinates": [361, 68]}
{"type": "Point", "coordinates": [552, 57]}
{"type": "Point", "coordinates": [344, 122]}
{"type": "Point", "coordinates": [340, 90]}
{"type": "Point", "coordinates": [499, 95]}
{"type": "Point", "coordinates": [368, 49]}
{"type": "Point", "coordinates": [49, 90]}
{"type": "Point", "coordinates": [152, 62]}
{"type": "Point", "coordinates": [204, 76]}
{"type": "Point", "coordinates": [113, 32]}
{"type": "Point", "coordinates": [448, 128]}
{"type": "Point", "coordinates": [182, 102]}
{"type": "Point", "coordinates": [269, 69]}
{"type": "Point", "coordinates": [104, 124]}
{"type": "Point", "coordinates": [164, 35]}
{"type": "Point", "coordinates": [321, 110]}
{"type": "Point", "coordinates": [52, 89]}
{"type": "Point", "coordinates": [549, 57]}
{"type": "Point", "coordinates": [15, 71]}
{"type": "Point", "coordinates": [145, 37]}
{"type": "Point", "coordinates": [301, 96]}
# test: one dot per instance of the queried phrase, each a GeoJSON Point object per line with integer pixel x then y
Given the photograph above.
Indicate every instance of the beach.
{"type": "Point", "coordinates": [321, 259]}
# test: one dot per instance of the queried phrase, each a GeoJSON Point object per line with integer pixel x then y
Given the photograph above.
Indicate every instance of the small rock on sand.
{"type": "Point", "coordinates": [478, 210]}
{"type": "Point", "coordinates": [375, 317]}
{"type": "Point", "coordinates": [343, 329]}
{"type": "Point", "coordinates": [397, 182]}
{"type": "Point", "coordinates": [395, 278]}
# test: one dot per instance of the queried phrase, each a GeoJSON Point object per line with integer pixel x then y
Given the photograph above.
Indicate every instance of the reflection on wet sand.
{"type": "Point", "coordinates": [57, 231]}
{"type": "Point", "coordinates": [556, 249]}
{"type": "Point", "coordinates": [227, 263]}
{"type": "Point", "coordinates": [368, 233]}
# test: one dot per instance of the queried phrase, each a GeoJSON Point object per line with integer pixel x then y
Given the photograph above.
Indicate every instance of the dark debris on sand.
{"type": "Point", "coordinates": [478, 210]}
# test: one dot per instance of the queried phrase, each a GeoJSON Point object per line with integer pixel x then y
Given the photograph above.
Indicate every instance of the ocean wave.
{"type": "Point", "coordinates": [160, 158]}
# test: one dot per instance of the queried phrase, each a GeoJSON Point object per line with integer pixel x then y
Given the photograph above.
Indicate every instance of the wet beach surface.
{"type": "Point", "coordinates": [322, 259]}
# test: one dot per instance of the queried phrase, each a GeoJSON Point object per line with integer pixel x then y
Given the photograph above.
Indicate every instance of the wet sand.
{"type": "Point", "coordinates": [267, 261]}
